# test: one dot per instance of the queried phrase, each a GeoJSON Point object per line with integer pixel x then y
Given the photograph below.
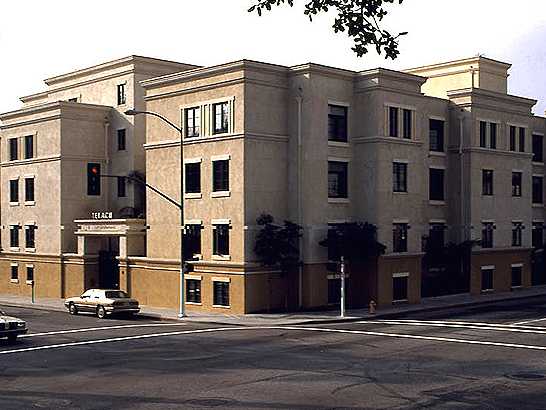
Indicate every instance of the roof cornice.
{"type": "Point", "coordinates": [480, 92]}
{"type": "Point", "coordinates": [455, 63]}
{"type": "Point", "coordinates": [392, 74]}
{"type": "Point", "coordinates": [56, 105]}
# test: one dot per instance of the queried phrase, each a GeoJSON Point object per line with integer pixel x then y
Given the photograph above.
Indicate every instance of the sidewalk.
{"type": "Point", "coordinates": [299, 318]}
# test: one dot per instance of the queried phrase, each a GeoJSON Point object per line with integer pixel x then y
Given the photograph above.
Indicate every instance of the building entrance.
{"type": "Point", "coordinates": [108, 270]}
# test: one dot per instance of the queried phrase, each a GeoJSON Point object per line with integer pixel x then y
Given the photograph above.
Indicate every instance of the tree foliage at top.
{"type": "Point", "coordinates": [361, 19]}
{"type": "Point", "coordinates": [355, 241]}
{"type": "Point", "coordinates": [277, 244]}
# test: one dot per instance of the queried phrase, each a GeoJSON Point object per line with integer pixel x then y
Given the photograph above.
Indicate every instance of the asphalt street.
{"type": "Point", "coordinates": [476, 358]}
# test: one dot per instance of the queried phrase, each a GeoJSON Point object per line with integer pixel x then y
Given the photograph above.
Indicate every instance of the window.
{"type": "Point", "coordinates": [30, 235]}
{"type": "Point", "coordinates": [14, 236]}
{"type": "Point", "coordinates": [337, 179]}
{"type": "Point", "coordinates": [193, 122]}
{"type": "Point", "coordinates": [220, 240]}
{"type": "Point", "coordinates": [436, 184]}
{"type": "Point", "coordinates": [399, 177]}
{"type": "Point", "coordinates": [393, 122]}
{"type": "Point", "coordinates": [538, 235]}
{"type": "Point", "coordinates": [436, 135]}
{"type": "Point", "coordinates": [121, 94]}
{"type": "Point", "coordinates": [14, 272]}
{"type": "Point", "coordinates": [483, 134]}
{"type": "Point", "coordinates": [30, 273]}
{"type": "Point", "coordinates": [538, 148]}
{"type": "Point", "coordinates": [221, 293]}
{"type": "Point", "coordinates": [14, 191]}
{"type": "Point", "coordinates": [512, 138]}
{"type": "Point", "coordinates": [193, 291]}
{"type": "Point", "coordinates": [400, 287]}
{"type": "Point", "coordinates": [516, 276]}
{"type": "Point", "coordinates": [122, 187]}
{"type": "Point", "coordinates": [74, 99]}
{"type": "Point", "coordinates": [13, 149]}
{"type": "Point", "coordinates": [192, 241]}
{"type": "Point", "coordinates": [221, 117]}
{"type": "Point", "coordinates": [29, 189]}
{"type": "Point", "coordinates": [537, 190]}
{"type": "Point", "coordinates": [193, 177]}
{"type": "Point", "coordinates": [29, 146]}
{"type": "Point", "coordinates": [517, 227]}
{"type": "Point", "coordinates": [220, 175]}
{"type": "Point", "coordinates": [122, 140]}
{"type": "Point", "coordinates": [487, 279]}
{"type": "Point", "coordinates": [487, 234]}
{"type": "Point", "coordinates": [400, 237]}
{"type": "Point", "coordinates": [521, 139]}
{"type": "Point", "coordinates": [337, 123]}
{"type": "Point", "coordinates": [436, 233]}
{"type": "Point", "coordinates": [407, 124]}
{"type": "Point", "coordinates": [487, 182]}
{"type": "Point", "coordinates": [492, 135]}
{"type": "Point", "coordinates": [516, 184]}
{"type": "Point", "coordinates": [93, 179]}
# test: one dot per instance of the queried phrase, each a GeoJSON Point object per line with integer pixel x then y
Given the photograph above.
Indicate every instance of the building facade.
{"type": "Point", "coordinates": [440, 153]}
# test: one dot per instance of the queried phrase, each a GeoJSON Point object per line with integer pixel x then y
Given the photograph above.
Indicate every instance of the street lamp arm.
{"type": "Point", "coordinates": [134, 112]}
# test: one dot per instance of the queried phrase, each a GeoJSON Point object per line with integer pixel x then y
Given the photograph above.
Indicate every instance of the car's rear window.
{"type": "Point", "coordinates": [115, 294]}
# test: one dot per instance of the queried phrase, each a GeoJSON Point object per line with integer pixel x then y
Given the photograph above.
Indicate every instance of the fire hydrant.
{"type": "Point", "coordinates": [372, 307]}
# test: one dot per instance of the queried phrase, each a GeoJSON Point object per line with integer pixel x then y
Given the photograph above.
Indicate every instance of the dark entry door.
{"type": "Point", "coordinates": [108, 270]}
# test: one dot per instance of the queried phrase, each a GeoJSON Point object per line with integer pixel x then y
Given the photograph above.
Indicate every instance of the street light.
{"type": "Point", "coordinates": [182, 307]}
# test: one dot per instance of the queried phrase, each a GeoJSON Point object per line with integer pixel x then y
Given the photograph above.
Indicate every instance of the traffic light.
{"type": "Point", "coordinates": [93, 179]}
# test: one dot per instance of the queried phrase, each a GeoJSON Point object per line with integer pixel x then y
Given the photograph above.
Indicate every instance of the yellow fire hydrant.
{"type": "Point", "coordinates": [372, 307]}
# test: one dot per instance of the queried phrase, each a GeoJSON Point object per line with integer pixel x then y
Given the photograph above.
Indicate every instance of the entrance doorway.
{"type": "Point", "coordinates": [108, 264]}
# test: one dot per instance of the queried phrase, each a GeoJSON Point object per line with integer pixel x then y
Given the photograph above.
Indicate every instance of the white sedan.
{"type": "Point", "coordinates": [11, 327]}
{"type": "Point", "coordinates": [102, 302]}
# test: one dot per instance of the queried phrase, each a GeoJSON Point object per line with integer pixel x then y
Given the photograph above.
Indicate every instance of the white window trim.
{"type": "Point", "coordinates": [437, 118]}
{"type": "Point", "coordinates": [342, 144]}
{"type": "Point", "coordinates": [193, 195]}
{"type": "Point", "coordinates": [437, 221]}
{"type": "Point", "coordinates": [193, 160]}
{"type": "Point", "coordinates": [400, 275]}
{"type": "Point", "coordinates": [340, 103]}
{"type": "Point", "coordinates": [192, 277]}
{"type": "Point", "coordinates": [516, 265]}
{"type": "Point", "coordinates": [220, 279]}
{"type": "Point", "coordinates": [220, 222]}
{"type": "Point", "coordinates": [487, 267]}
{"type": "Point", "coordinates": [402, 161]}
{"type": "Point", "coordinates": [339, 159]}
{"type": "Point", "coordinates": [193, 222]}
{"type": "Point", "coordinates": [400, 221]}
{"type": "Point", "coordinates": [538, 175]}
{"type": "Point", "coordinates": [442, 167]}
{"type": "Point", "coordinates": [339, 200]}
{"type": "Point", "coordinates": [220, 194]}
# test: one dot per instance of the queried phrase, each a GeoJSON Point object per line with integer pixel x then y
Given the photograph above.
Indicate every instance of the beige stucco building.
{"type": "Point", "coordinates": [439, 151]}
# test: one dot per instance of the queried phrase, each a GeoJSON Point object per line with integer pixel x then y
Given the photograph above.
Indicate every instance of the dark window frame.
{"type": "Point", "coordinates": [483, 134]}
{"type": "Point", "coordinates": [337, 123]}
{"type": "Point", "coordinates": [400, 237]}
{"type": "Point", "coordinates": [14, 191]}
{"type": "Point", "coordinates": [14, 236]}
{"type": "Point", "coordinates": [436, 134]}
{"type": "Point", "coordinates": [487, 279]}
{"type": "Point", "coordinates": [537, 190]}
{"type": "Point", "coordinates": [122, 187]}
{"type": "Point", "coordinates": [522, 133]}
{"type": "Point", "coordinates": [192, 177]}
{"type": "Point", "coordinates": [122, 139]}
{"type": "Point", "coordinates": [193, 241]}
{"type": "Point", "coordinates": [517, 183]}
{"type": "Point", "coordinates": [30, 273]}
{"type": "Point", "coordinates": [493, 135]}
{"type": "Point", "coordinates": [220, 118]}
{"type": "Point", "coordinates": [121, 94]}
{"type": "Point", "coordinates": [487, 182]}
{"type": "Point", "coordinates": [30, 236]}
{"type": "Point", "coordinates": [220, 239]}
{"type": "Point", "coordinates": [220, 293]}
{"type": "Point", "coordinates": [538, 234]}
{"type": "Point", "coordinates": [436, 184]}
{"type": "Point", "coordinates": [29, 189]}
{"type": "Point", "coordinates": [487, 241]}
{"type": "Point", "coordinates": [14, 272]}
{"type": "Point", "coordinates": [517, 234]}
{"type": "Point", "coordinates": [13, 144]}
{"type": "Point", "coordinates": [538, 148]}
{"type": "Point", "coordinates": [399, 176]}
{"type": "Point", "coordinates": [512, 131]}
{"type": "Point", "coordinates": [220, 175]}
{"type": "Point", "coordinates": [29, 146]}
{"type": "Point", "coordinates": [338, 179]}
{"type": "Point", "coordinates": [436, 233]}
{"type": "Point", "coordinates": [393, 122]}
{"type": "Point", "coordinates": [192, 122]}
{"type": "Point", "coordinates": [400, 288]}
{"type": "Point", "coordinates": [516, 275]}
{"type": "Point", "coordinates": [193, 291]}
{"type": "Point", "coordinates": [407, 123]}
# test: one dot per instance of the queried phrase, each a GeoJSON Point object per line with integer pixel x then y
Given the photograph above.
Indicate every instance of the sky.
{"type": "Point", "coordinates": [43, 38]}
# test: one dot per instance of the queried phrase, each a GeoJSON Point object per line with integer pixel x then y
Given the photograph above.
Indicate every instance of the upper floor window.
{"type": "Point", "coordinates": [193, 122]}
{"type": "Point", "coordinates": [492, 135]}
{"type": "Point", "coordinates": [193, 178]}
{"type": "Point", "coordinates": [516, 183]}
{"type": "Point", "coordinates": [538, 235]}
{"type": "Point", "coordinates": [337, 179]}
{"type": "Point", "coordinates": [337, 123]}
{"type": "Point", "coordinates": [13, 149]}
{"type": "Point", "coordinates": [521, 139]}
{"type": "Point", "coordinates": [436, 184]}
{"type": "Point", "coordinates": [29, 189]}
{"type": "Point", "coordinates": [487, 182]}
{"type": "Point", "coordinates": [122, 139]}
{"type": "Point", "coordinates": [221, 117]}
{"type": "Point", "coordinates": [512, 138]}
{"type": "Point", "coordinates": [537, 190]}
{"type": "Point", "coordinates": [121, 94]}
{"type": "Point", "coordinates": [30, 235]}
{"type": "Point", "coordinates": [220, 240]}
{"type": "Point", "coordinates": [487, 234]}
{"type": "Point", "coordinates": [14, 236]}
{"type": "Point", "coordinates": [29, 146]}
{"type": "Point", "coordinates": [517, 228]}
{"type": "Point", "coordinates": [193, 290]}
{"type": "Point", "coordinates": [407, 121]}
{"type": "Point", "coordinates": [393, 122]}
{"type": "Point", "coordinates": [399, 177]}
{"type": "Point", "coordinates": [122, 187]}
{"type": "Point", "coordinates": [14, 190]}
{"type": "Point", "coordinates": [484, 128]}
{"type": "Point", "coordinates": [483, 134]}
{"type": "Point", "coordinates": [192, 241]}
{"type": "Point", "coordinates": [400, 237]}
{"type": "Point", "coordinates": [436, 135]}
{"type": "Point", "coordinates": [220, 175]}
{"type": "Point", "coordinates": [538, 146]}
{"type": "Point", "coordinates": [220, 293]}
{"type": "Point", "coordinates": [436, 233]}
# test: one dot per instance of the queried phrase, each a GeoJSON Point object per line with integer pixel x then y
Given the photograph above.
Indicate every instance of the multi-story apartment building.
{"type": "Point", "coordinates": [440, 151]}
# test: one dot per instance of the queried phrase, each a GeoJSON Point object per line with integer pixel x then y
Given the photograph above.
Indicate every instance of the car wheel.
{"type": "Point", "coordinates": [12, 339]}
{"type": "Point", "coordinates": [72, 309]}
{"type": "Point", "coordinates": [101, 312]}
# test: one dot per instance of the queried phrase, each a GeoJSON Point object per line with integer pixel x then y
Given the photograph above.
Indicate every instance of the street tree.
{"type": "Point", "coordinates": [355, 241]}
{"type": "Point", "coordinates": [362, 20]}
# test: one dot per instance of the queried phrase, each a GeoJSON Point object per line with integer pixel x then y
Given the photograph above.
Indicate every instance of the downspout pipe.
{"type": "Point", "coordinates": [299, 100]}
{"type": "Point", "coordinates": [461, 175]}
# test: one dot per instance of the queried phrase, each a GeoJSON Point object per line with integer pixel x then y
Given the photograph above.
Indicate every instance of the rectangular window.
{"type": "Point", "coordinates": [337, 179]}
{"type": "Point", "coordinates": [538, 146]}
{"type": "Point", "coordinates": [29, 189]}
{"type": "Point", "coordinates": [30, 273]}
{"type": "Point", "coordinates": [399, 177]}
{"type": "Point", "coordinates": [221, 293]}
{"type": "Point", "coordinates": [436, 233]}
{"type": "Point", "coordinates": [220, 175]}
{"type": "Point", "coordinates": [399, 287]}
{"type": "Point", "coordinates": [408, 124]}
{"type": "Point", "coordinates": [436, 184]}
{"type": "Point", "coordinates": [122, 140]}
{"type": "Point", "coordinates": [192, 242]}
{"type": "Point", "coordinates": [487, 234]}
{"type": "Point", "coordinates": [516, 184]}
{"type": "Point", "coordinates": [512, 138]}
{"type": "Point", "coordinates": [400, 237]}
{"type": "Point", "coordinates": [483, 134]}
{"type": "Point", "coordinates": [487, 182]}
{"type": "Point", "coordinates": [516, 233]}
{"type": "Point", "coordinates": [193, 177]}
{"type": "Point", "coordinates": [220, 240]}
{"type": "Point", "coordinates": [14, 190]}
{"type": "Point", "coordinates": [516, 276]}
{"type": "Point", "coordinates": [193, 290]}
{"type": "Point", "coordinates": [193, 122]}
{"type": "Point", "coordinates": [13, 149]}
{"type": "Point", "coordinates": [121, 94]}
{"type": "Point", "coordinates": [521, 139]}
{"type": "Point", "coordinates": [436, 135]}
{"type": "Point", "coordinates": [393, 122]}
{"type": "Point", "coordinates": [29, 146]}
{"type": "Point", "coordinates": [537, 190]}
{"type": "Point", "coordinates": [492, 135]}
{"type": "Point", "coordinates": [14, 236]}
{"type": "Point", "coordinates": [14, 272]}
{"type": "Point", "coordinates": [30, 235]}
{"type": "Point", "coordinates": [122, 187]}
{"type": "Point", "coordinates": [487, 279]}
{"type": "Point", "coordinates": [337, 123]}
{"type": "Point", "coordinates": [221, 118]}
{"type": "Point", "coordinates": [538, 234]}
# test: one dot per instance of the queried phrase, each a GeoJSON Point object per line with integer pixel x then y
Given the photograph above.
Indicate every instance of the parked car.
{"type": "Point", "coordinates": [102, 302]}
{"type": "Point", "coordinates": [11, 327]}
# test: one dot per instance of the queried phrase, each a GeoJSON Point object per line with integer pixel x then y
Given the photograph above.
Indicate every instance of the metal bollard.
{"type": "Point", "coordinates": [372, 307]}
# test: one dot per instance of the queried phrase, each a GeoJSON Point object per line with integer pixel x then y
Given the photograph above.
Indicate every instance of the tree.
{"type": "Point", "coordinates": [361, 19]}
{"type": "Point", "coordinates": [355, 241]}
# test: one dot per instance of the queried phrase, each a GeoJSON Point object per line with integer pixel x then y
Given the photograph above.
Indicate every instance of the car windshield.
{"type": "Point", "coordinates": [115, 294]}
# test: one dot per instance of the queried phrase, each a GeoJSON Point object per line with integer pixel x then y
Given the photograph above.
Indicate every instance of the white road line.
{"type": "Point", "coordinates": [96, 329]}
{"type": "Point", "coordinates": [295, 328]}
{"type": "Point", "coordinates": [528, 321]}
{"type": "Point", "coordinates": [450, 322]}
